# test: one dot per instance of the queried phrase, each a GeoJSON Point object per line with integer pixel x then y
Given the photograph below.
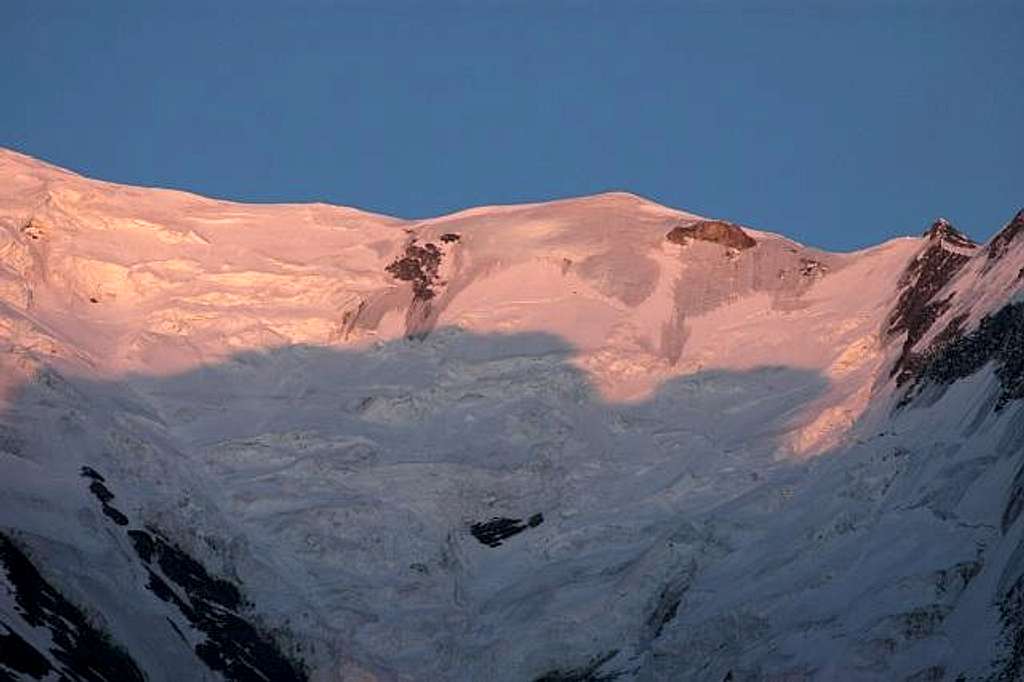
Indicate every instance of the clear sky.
{"type": "Point", "coordinates": [838, 124]}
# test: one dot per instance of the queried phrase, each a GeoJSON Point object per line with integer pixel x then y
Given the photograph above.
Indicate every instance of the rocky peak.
{"type": "Point", "coordinates": [943, 231]}
{"type": "Point", "coordinates": [919, 304]}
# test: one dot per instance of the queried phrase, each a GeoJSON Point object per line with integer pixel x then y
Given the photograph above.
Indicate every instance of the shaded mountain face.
{"type": "Point", "coordinates": [1007, 239]}
{"type": "Point", "coordinates": [591, 439]}
{"type": "Point", "coordinates": [945, 252]}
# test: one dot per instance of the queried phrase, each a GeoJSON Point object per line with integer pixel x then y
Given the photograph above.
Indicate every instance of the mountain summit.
{"type": "Point", "coordinates": [589, 439]}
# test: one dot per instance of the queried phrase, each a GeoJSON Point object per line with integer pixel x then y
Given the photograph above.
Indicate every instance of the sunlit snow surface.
{"type": "Point", "coordinates": [689, 456]}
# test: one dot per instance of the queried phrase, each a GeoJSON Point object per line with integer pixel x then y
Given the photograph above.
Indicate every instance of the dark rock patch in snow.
{"type": "Point", "coordinates": [89, 472]}
{"type": "Point", "coordinates": [101, 492]}
{"type": "Point", "coordinates": [18, 656]}
{"type": "Point", "coordinates": [492, 533]}
{"type": "Point", "coordinates": [188, 573]}
{"type": "Point", "coordinates": [144, 545]}
{"type": "Point", "coordinates": [418, 265]}
{"type": "Point", "coordinates": [80, 650]}
{"type": "Point", "coordinates": [104, 495]}
{"type": "Point", "coordinates": [163, 591]}
{"type": "Point", "coordinates": [999, 338]}
{"type": "Point", "coordinates": [233, 646]}
{"type": "Point", "coordinates": [115, 515]}
{"type": "Point", "coordinates": [715, 231]}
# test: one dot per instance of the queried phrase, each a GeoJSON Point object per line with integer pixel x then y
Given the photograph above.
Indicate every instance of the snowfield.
{"type": "Point", "coordinates": [537, 442]}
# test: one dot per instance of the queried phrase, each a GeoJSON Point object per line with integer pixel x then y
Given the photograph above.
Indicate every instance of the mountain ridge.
{"type": "Point", "coordinates": [25, 160]}
{"type": "Point", "coordinates": [539, 441]}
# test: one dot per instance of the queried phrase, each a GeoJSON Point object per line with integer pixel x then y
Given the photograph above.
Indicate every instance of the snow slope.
{"type": "Point", "coordinates": [589, 439]}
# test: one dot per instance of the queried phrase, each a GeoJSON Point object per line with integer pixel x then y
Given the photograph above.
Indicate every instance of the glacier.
{"type": "Point", "coordinates": [590, 439]}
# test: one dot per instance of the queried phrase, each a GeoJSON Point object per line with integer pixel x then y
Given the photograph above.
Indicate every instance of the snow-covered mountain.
{"type": "Point", "coordinates": [590, 439]}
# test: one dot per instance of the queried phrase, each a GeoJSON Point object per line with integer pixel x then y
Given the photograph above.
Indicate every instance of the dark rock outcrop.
{"type": "Point", "coordinates": [918, 306]}
{"type": "Point", "coordinates": [955, 355]}
{"type": "Point", "coordinates": [233, 646]}
{"type": "Point", "coordinates": [18, 656]}
{"type": "Point", "coordinates": [943, 230]}
{"type": "Point", "coordinates": [715, 231]}
{"type": "Point", "coordinates": [215, 607]}
{"type": "Point", "coordinates": [89, 472]}
{"type": "Point", "coordinates": [103, 494]}
{"type": "Point", "coordinates": [1003, 241]}
{"type": "Point", "coordinates": [80, 651]}
{"type": "Point", "coordinates": [492, 533]}
{"type": "Point", "coordinates": [418, 265]}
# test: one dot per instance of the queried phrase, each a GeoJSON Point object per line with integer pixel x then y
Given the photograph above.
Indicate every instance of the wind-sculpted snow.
{"type": "Point", "coordinates": [541, 442]}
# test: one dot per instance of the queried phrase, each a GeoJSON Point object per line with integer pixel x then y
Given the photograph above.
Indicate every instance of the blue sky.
{"type": "Point", "coordinates": [839, 124]}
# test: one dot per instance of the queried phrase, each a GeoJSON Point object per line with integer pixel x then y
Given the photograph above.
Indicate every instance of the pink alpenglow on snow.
{"type": "Point", "coordinates": [595, 438]}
